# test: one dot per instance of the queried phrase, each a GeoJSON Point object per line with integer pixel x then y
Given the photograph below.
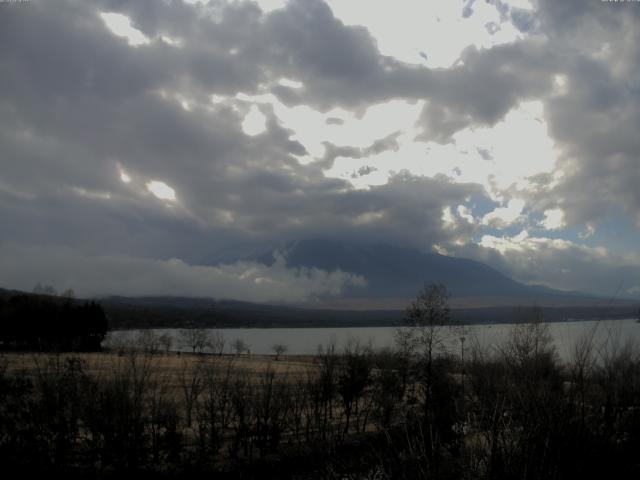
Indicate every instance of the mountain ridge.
{"type": "Point", "coordinates": [398, 272]}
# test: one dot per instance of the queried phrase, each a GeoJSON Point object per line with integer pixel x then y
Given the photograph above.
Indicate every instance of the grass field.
{"type": "Point", "coordinates": [170, 366]}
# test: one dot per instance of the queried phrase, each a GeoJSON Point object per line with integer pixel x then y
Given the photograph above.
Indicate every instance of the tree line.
{"type": "Point", "coordinates": [46, 323]}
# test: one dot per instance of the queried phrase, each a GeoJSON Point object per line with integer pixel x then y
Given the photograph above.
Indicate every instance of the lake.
{"type": "Point", "coordinates": [304, 341]}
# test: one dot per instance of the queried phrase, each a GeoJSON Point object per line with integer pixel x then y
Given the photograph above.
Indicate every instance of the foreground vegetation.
{"type": "Point", "coordinates": [414, 412]}
{"type": "Point", "coordinates": [514, 412]}
{"type": "Point", "coordinates": [45, 322]}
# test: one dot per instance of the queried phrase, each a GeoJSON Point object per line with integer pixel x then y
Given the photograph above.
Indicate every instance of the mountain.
{"type": "Point", "coordinates": [394, 275]}
{"type": "Point", "coordinates": [393, 272]}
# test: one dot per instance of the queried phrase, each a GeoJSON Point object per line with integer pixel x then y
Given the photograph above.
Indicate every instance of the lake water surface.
{"type": "Point", "coordinates": [302, 341]}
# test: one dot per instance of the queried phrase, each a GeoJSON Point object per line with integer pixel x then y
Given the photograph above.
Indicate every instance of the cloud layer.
{"type": "Point", "coordinates": [134, 142]}
{"type": "Point", "coordinates": [117, 275]}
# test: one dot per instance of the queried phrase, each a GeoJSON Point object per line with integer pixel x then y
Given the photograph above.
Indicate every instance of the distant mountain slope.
{"type": "Point", "coordinates": [392, 271]}
{"type": "Point", "coordinates": [180, 312]}
{"type": "Point", "coordinates": [172, 312]}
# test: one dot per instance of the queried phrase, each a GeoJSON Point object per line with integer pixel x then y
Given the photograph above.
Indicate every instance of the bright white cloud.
{"type": "Point", "coordinates": [448, 219]}
{"type": "Point", "coordinates": [268, 6]}
{"type": "Point", "coordinates": [560, 84]}
{"type": "Point", "coordinates": [553, 219]}
{"type": "Point", "coordinates": [312, 128]}
{"type": "Point", "coordinates": [562, 264]}
{"type": "Point", "coordinates": [502, 217]}
{"type": "Point", "coordinates": [523, 242]}
{"type": "Point", "coordinates": [497, 157]}
{"type": "Point", "coordinates": [174, 42]}
{"type": "Point", "coordinates": [515, 148]}
{"type": "Point", "coordinates": [465, 213]}
{"type": "Point", "coordinates": [424, 25]}
{"type": "Point", "coordinates": [161, 190]}
{"type": "Point", "coordinates": [254, 122]}
{"type": "Point", "coordinates": [287, 82]}
{"type": "Point", "coordinates": [120, 25]}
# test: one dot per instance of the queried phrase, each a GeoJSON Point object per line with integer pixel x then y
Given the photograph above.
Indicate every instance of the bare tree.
{"type": "Point", "coordinates": [215, 410]}
{"type": "Point", "coordinates": [429, 326]}
{"type": "Point", "coordinates": [118, 342]}
{"type": "Point", "coordinates": [197, 339]}
{"type": "Point", "coordinates": [191, 385]}
{"type": "Point", "coordinates": [323, 387]}
{"type": "Point", "coordinates": [217, 343]}
{"type": "Point", "coordinates": [279, 349]}
{"type": "Point", "coordinates": [240, 346]}
{"type": "Point", "coordinates": [166, 341]}
{"type": "Point", "coordinates": [530, 341]}
{"type": "Point", "coordinates": [426, 318]}
{"type": "Point", "coordinates": [148, 341]}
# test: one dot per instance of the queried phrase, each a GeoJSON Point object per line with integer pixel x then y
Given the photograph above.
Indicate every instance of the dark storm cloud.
{"type": "Point", "coordinates": [595, 119]}
{"type": "Point", "coordinates": [523, 20]}
{"type": "Point", "coordinates": [77, 104]}
{"type": "Point", "coordinates": [390, 142]}
{"type": "Point", "coordinates": [72, 123]}
{"type": "Point", "coordinates": [488, 85]}
{"type": "Point", "coordinates": [339, 66]}
{"type": "Point", "coordinates": [366, 170]}
{"type": "Point", "coordinates": [354, 75]}
{"type": "Point", "coordinates": [467, 10]}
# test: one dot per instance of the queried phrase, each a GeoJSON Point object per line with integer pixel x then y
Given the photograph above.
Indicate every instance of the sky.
{"type": "Point", "coordinates": [141, 139]}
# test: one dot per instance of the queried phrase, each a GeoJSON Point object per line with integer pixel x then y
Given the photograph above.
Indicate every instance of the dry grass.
{"type": "Point", "coordinates": [170, 365]}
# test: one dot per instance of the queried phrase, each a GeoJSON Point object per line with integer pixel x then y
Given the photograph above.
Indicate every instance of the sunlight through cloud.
{"type": "Point", "coordinates": [268, 6]}
{"type": "Point", "coordinates": [553, 219]}
{"type": "Point", "coordinates": [161, 190]}
{"type": "Point", "coordinates": [120, 25]}
{"type": "Point", "coordinates": [287, 82]}
{"type": "Point", "coordinates": [424, 24]}
{"type": "Point", "coordinates": [504, 216]}
{"type": "Point", "coordinates": [254, 123]}
{"type": "Point", "coordinates": [497, 157]}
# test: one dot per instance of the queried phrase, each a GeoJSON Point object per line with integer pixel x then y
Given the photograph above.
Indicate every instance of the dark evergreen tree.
{"type": "Point", "coordinates": [42, 323]}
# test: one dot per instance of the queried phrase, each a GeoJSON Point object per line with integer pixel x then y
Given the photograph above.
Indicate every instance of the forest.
{"type": "Point", "coordinates": [50, 323]}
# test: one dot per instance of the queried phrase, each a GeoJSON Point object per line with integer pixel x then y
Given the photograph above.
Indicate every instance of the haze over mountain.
{"type": "Point", "coordinates": [394, 274]}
